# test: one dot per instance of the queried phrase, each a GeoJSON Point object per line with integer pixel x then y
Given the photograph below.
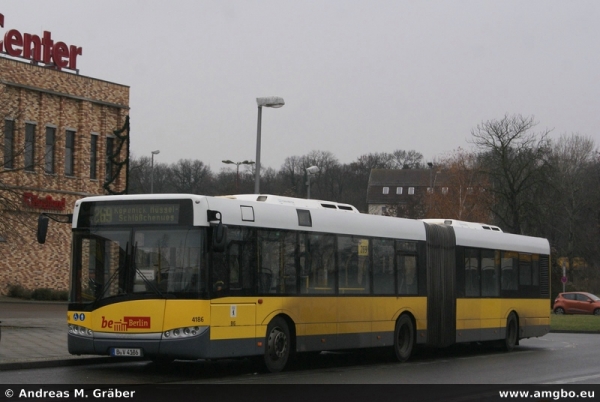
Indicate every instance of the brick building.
{"type": "Point", "coordinates": [58, 144]}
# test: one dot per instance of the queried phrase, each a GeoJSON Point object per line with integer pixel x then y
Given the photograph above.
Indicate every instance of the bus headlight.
{"type": "Point", "coordinates": [81, 331]}
{"type": "Point", "coordinates": [185, 332]}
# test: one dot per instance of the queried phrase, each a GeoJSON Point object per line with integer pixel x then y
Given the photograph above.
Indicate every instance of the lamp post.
{"type": "Point", "coordinates": [310, 171]}
{"type": "Point", "coordinates": [237, 173]}
{"type": "Point", "coordinates": [274, 102]}
{"type": "Point", "coordinates": [152, 171]}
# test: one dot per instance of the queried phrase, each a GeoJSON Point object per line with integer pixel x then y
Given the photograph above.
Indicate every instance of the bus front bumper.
{"type": "Point", "coordinates": [154, 345]}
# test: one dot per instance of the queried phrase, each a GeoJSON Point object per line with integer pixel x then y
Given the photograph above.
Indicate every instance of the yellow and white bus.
{"type": "Point", "coordinates": [195, 277]}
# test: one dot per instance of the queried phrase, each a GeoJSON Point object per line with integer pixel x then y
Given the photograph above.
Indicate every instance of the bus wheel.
{"type": "Point", "coordinates": [512, 332]}
{"type": "Point", "coordinates": [278, 344]}
{"type": "Point", "coordinates": [404, 338]}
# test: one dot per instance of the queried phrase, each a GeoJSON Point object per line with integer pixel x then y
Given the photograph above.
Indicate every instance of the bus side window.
{"type": "Point", "coordinates": [240, 262]}
{"type": "Point", "coordinates": [472, 281]}
{"type": "Point", "coordinates": [407, 274]}
{"type": "Point", "coordinates": [288, 261]}
{"type": "Point", "coordinates": [303, 261]}
{"type": "Point", "coordinates": [320, 264]}
{"type": "Point", "coordinates": [490, 270]}
{"type": "Point", "coordinates": [220, 274]}
{"type": "Point", "coordinates": [509, 271]}
{"type": "Point", "coordinates": [383, 266]}
{"type": "Point", "coordinates": [269, 258]}
{"type": "Point", "coordinates": [353, 260]}
{"type": "Point", "coordinates": [233, 262]}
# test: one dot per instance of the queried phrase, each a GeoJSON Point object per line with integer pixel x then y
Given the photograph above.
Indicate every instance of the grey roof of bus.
{"type": "Point", "coordinates": [463, 224]}
{"type": "Point", "coordinates": [295, 202]}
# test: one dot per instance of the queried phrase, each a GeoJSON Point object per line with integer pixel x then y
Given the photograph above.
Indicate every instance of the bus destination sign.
{"type": "Point", "coordinates": [141, 214]}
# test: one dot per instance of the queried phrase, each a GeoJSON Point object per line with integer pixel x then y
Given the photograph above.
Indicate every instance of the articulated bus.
{"type": "Point", "coordinates": [189, 277]}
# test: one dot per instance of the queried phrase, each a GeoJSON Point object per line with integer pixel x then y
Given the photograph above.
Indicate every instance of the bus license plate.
{"type": "Point", "coordinates": [132, 352]}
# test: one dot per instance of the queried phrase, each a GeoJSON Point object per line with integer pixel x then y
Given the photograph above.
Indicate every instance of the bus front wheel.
{"type": "Point", "coordinates": [278, 345]}
{"type": "Point", "coordinates": [404, 338]}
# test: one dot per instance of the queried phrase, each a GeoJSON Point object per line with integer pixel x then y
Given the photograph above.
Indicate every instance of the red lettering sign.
{"type": "Point", "coordinates": [106, 324]}
{"type": "Point", "coordinates": [43, 50]}
{"type": "Point", "coordinates": [33, 201]}
{"type": "Point", "coordinates": [126, 324]}
{"type": "Point", "coordinates": [137, 322]}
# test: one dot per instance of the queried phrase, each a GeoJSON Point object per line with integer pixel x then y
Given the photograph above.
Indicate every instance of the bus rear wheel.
{"type": "Point", "coordinates": [278, 345]}
{"type": "Point", "coordinates": [404, 338]}
{"type": "Point", "coordinates": [512, 333]}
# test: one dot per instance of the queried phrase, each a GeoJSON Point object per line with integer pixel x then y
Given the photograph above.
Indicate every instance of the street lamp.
{"type": "Point", "coordinates": [237, 173]}
{"type": "Point", "coordinates": [274, 102]}
{"type": "Point", "coordinates": [310, 171]}
{"type": "Point", "coordinates": [152, 171]}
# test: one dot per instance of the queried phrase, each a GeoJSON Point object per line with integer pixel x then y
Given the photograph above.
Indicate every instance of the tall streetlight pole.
{"type": "Point", "coordinates": [274, 102]}
{"type": "Point", "coordinates": [152, 171]}
{"type": "Point", "coordinates": [237, 173]}
{"type": "Point", "coordinates": [309, 172]}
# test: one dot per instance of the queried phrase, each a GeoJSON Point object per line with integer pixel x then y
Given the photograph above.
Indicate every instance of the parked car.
{"type": "Point", "coordinates": [576, 303]}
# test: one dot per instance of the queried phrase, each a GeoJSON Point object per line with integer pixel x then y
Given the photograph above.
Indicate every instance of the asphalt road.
{"type": "Point", "coordinates": [557, 358]}
{"type": "Point", "coordinates": [552, 359]}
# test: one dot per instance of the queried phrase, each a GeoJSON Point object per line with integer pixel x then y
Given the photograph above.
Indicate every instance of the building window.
{"type": "Point", "coordinates": [9, 136]}
{"type": "Point", "coordinates": [386, 190]}
{"type": "Point", "coordinates": [110, 143]}
{"type": "Point", "coordinates": [398, 190]}
{"type": "Point", "coordinates": [70, 153]}
{"type": "Point", "coordinates": [29, 152]}
{"type": "Point", "coordinates": [49, 157]}
{"type": "Point", "coordinates": [94, 157]}
{"type": "Point", "coordinates": [411, 191]}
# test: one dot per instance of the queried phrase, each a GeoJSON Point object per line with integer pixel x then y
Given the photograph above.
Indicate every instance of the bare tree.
{"type": "Point", "coordinates": [292, 176]}
{"type": "Point", "coordinates": [323, 185]}
{"type": "Point", "coordinates": [574, 199]}
{"type": "Point", "coordinates": [189, 176]}
{"type": "Point", "coordinates": [143, 177]}
{"type": "Point", "coordinates": [515, 159]}
{"type": "Point", "coordinates": [407, 159]}
{"type": "Point", "coordinates": [465, 195]}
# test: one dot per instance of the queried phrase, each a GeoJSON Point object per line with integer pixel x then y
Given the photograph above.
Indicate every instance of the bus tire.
{"type": "Point", "coordinates": [512, 332]}
{"type": "Point", "coordinates": [277, 345]}
{"type": "Point", "coordinates": [404, 338]}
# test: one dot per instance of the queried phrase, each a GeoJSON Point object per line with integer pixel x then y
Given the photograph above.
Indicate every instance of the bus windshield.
{"type": "Point", "coordinates": [139, 262]}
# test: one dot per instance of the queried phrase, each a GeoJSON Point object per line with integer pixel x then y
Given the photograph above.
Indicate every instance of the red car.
{"type": "Point", "coordinates": [576, 303]}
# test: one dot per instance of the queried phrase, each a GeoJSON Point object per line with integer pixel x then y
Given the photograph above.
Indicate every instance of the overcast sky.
{"type": "Point", "coordinates": [356, 76]}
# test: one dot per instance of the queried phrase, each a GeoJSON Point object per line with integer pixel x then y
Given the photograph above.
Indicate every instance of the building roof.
{"type": "Point", "coordinates": [393, 178]}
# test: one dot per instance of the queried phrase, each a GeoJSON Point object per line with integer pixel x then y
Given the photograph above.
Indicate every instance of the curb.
{"type": "Point", "coordinates": [59, 363]}
{"type": "Point", "coordinates": [4, 299]}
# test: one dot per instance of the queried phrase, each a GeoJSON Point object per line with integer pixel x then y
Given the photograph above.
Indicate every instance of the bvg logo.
{"type": "Point", "coordinates": [126, 323]}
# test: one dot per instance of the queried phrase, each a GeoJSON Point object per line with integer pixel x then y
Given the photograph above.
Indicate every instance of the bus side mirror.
{"type": "Point", "coordinates": [42, 228]}
{"type": "Point", "coordinates": [219, 237]}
